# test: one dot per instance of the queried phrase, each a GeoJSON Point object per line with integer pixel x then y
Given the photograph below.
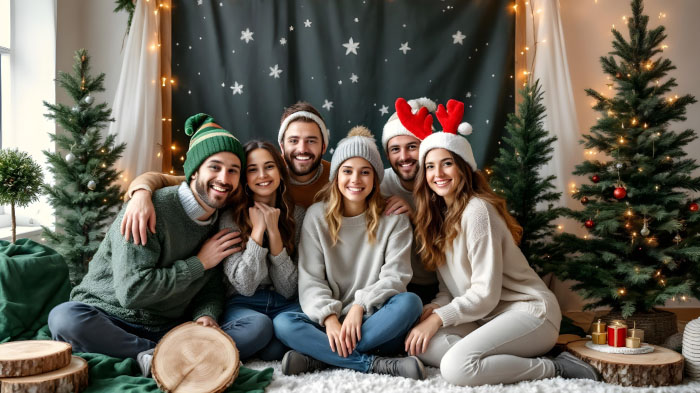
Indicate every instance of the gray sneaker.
{"type": "Point", "coordinates": [144, 359]}
{"type": "Point", "coordinates": [567, 365]}
{"type": "Point", "coordinates": [407, 367]}
{"type": "Point", "coordinates": [294, 363]}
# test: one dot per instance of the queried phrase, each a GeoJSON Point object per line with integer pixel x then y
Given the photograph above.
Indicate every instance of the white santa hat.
{"type": "Point", "coordinates": [452, 137]}
{"type": "Point", "coordinates": [395, 127]}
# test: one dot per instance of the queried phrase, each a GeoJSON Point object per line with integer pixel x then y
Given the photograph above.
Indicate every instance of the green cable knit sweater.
{"type": "Point", "coordinates": [160, 283]}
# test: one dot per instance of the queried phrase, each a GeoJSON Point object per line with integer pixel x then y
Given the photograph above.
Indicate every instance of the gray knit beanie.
{"type": "Point", "coordinates": [359, 143]}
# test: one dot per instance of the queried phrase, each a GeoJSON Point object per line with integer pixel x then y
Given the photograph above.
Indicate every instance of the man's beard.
{"type": "Point", "coordinates": [315, 162]}
{"type": "Point", "coordinates": [411, 176]}
{"type": "Point", "coordinates": [202, 189]}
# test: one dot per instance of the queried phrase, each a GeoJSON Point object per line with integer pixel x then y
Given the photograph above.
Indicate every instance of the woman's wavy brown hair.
{"type": "Point", "coordinates": [283, 200]}
{"type": "Point", "coordinates": [436, 225]}
{"type": "Point", "coordinates": [330, 194]}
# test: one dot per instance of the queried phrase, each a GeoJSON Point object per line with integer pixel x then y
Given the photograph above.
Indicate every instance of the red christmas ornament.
{"type": "Point", "coordinates": [584, 200]}
{"type": "Point", "coordinates": [595, 178]}
{"type": "Point", "coordinates": [619, 192]}
{"type": "Point", "coordinates": [693, 207]}
{"type": "Point", "coordinates": [589, 224]}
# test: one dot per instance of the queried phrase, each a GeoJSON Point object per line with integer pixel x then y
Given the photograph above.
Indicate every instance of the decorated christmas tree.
{"type": "Point", "coordinates": [642, 247]}
{"type": "Point", "coordinates": [84, 195]}
{"type": "Point", "coordinates": [515, 176]}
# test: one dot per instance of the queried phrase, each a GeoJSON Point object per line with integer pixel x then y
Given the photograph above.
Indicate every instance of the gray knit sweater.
{"type": "Point", "coordinates": [334, 277]}
{"type": "Point", "coordinates": [162, 282]}
{"type": "Point", "coordinates": [254, 267]}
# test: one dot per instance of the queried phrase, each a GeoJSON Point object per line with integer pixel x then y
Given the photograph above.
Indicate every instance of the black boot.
{"type": "Point", "coordinates": [408, 367]}
{"type": "Point", "coordinates": [294, 363]}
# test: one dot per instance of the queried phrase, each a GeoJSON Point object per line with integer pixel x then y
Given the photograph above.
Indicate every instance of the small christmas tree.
{"type": "Point", "coordinates": [642, 248]}
{"type": "Point", "coordinates": [20, 182]}
{"type": "Point", "coordinates": [515, 176]}
{"type": "Point", "coordinates": [84, 196]}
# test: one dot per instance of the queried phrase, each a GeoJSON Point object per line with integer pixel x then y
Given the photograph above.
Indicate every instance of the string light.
{"type": "Point", "coordinates": [621, 291]}
{"type": "Point", "coordinates": [172, 147]}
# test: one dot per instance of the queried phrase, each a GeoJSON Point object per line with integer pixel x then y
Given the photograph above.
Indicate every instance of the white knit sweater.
{"type": "Point", "coordinates": [486, 274]}
{"type": "Point", "coordinates": [333, 278]}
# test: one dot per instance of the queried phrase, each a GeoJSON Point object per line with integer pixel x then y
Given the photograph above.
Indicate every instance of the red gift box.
{"type": "Point", "coordinates": [617, 334]}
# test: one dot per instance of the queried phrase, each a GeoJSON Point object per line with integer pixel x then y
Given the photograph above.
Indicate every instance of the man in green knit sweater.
{"type": "Point", "coordinates": [132, 295]}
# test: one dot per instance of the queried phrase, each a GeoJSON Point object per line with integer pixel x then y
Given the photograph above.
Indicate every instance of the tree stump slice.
{"type": "Point", "coordinates": [70, 379]}
{"type": "Point", "coordinates": [193, 358]}
{"type": "Point", "coordinates": [663, 367]}
{"type": "Point", "coordinates": [32, 357]}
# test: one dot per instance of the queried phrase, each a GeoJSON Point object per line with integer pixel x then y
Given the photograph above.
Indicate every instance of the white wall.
{"type": "Point", "coordinates": [91, 24]}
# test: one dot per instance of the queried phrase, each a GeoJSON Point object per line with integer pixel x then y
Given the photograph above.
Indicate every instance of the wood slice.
{"type": "Point", "coordinates": [70, 379]}
{"type": "Point", "coordinates": [32, 357]}
{"type": "Point", "coordinates": [663, 367]}
{"type": "Point", "coordinates": [193, 358]}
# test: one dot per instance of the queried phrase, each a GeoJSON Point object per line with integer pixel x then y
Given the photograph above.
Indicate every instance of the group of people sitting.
{"type": "Point", "coordinates": [326, 264]}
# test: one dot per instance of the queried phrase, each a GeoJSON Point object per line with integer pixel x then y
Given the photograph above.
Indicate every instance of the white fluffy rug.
{"type": "Point", "coordinates": [341, 381]}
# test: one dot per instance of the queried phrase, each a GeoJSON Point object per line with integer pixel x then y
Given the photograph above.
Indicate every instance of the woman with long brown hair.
{"type": "Point", "coordinates": [262, 278]}
{"type": "Point", "coordinates": [493, 313]}
{"type": "Point", "coordinates": [354, 264]}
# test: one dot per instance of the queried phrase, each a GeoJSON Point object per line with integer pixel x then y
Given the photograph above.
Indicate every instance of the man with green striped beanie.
{"type": "Point", "coordinates": [132, 294]}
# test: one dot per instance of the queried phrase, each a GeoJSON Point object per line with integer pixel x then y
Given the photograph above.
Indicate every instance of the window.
{"type": "Point", "coordinates": [4, 66]}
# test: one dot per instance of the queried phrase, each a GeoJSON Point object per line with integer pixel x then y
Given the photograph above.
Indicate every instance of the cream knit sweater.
{"type": "Point", "coordinates": [333, 278]}
{"type": "Point", "coordinates": [486, 274]}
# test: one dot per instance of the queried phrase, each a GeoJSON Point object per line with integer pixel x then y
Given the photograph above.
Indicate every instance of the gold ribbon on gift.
{"type": "Point", "coordinates": [614, 339]}
{"type": "Point", "coordinates": [599, 327]}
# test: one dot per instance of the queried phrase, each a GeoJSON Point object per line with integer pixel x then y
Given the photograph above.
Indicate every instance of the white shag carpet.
{"type": "Point", "coordinates": [342, 381]}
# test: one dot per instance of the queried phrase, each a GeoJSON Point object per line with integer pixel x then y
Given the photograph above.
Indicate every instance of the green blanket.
{"type": "Point", "coordinates": [33, 280]}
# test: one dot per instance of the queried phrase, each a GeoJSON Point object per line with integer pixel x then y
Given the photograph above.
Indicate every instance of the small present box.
{"type": "Point", "coordinates": [598, 327]}
{"type": "Point", "coordinates": [617, 334]}
{"type": "Point", "coordinates": [633, 342]}
{"type": "Point", "coordinates": [599, 338]}
{"type": "Point", "coordinates": [637, 333]}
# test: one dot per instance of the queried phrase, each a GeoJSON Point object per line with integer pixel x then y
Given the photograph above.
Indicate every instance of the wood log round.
{"type": "Point", "coordinates": [193, 358]}
{"type": "Point", "coordinates": [70, 379]}
{"type": "Point", "coordinates": [32, 357]}
{"type": "Point", "coordinates": [663, 367]}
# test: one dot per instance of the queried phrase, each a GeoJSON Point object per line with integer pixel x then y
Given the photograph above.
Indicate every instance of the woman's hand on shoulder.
{"type": "Point", "coordinates": [139, 217]}
{"type": "Point", "coordinates": [418, 338]}
{"type": "Point", "coordinates": [333, 329]}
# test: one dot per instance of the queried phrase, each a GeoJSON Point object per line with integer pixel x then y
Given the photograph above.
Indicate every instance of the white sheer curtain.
{"type": "Point", "coordinates": [551, 67]}
{"type": "Point", "coordinates": [137, 103]}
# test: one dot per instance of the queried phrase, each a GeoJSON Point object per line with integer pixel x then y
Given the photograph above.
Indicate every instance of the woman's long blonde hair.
{"type": "Point", "coordinates": [436, 225]}
{"type": "Point", "coordinates": [330, 194]}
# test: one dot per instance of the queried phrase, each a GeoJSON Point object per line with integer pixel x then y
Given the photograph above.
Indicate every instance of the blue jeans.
{"type": "Point", "coordinates": [248, 320]}
{"type": "Point", "coordinates": [90, 329]}
{"type": "Point", "coordinates": [382, 332]}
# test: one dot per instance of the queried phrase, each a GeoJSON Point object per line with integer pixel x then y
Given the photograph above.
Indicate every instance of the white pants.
{"type": "Point", "coordinates": [493, 352]}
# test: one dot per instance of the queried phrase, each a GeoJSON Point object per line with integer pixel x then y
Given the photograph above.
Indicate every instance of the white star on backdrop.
{"type": "Point", "coordinates": [307, 23]}
{"type": "Point", "coordinates": [283, 41]}
{"type": "Point", "coordinates": [351, 47]}
{"type": "Point", "coordinates": [469, 94]}
{"type": "Point", "coordinates": [291, 28]}
{"type": "Point", "coordinates": [458, 37]}
{"type": "Point", "coordinates": [275, 71]}
{"type": "Point", "coordinates": [384, 110]}
{"type": "Point", "coordinates": [354, 78]}
{"type": "Point", "coordinates": [404, 48]}
{"type": "Point", "coordinates": [247, 35]}
{"type": "Point", "coordinates": [237, 89]}
{"type": "Point", "coordinates": [199, 2]}
{"type": "Point", "coordinates": [327, 105]}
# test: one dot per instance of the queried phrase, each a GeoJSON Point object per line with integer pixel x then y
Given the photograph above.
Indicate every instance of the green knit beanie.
{"type": "Point", "coordinates": [208, 139]}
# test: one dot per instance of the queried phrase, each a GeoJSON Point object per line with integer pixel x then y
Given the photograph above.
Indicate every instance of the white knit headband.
{"type": "Point", "coordinates": [306, 115]}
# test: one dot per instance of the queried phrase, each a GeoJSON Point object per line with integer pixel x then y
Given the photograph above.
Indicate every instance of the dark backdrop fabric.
{"type": "Point", "coordinates": [460, 49]}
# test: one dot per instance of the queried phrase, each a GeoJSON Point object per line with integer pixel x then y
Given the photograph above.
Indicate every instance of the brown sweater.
{"type": "Point", "coordinates": [302, 195]}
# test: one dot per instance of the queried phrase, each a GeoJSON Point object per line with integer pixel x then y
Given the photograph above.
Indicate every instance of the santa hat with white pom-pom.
{"type": "Point", "coordinates": [452, 136]}
{"type": "Point", "coordinates": [409, 119]}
